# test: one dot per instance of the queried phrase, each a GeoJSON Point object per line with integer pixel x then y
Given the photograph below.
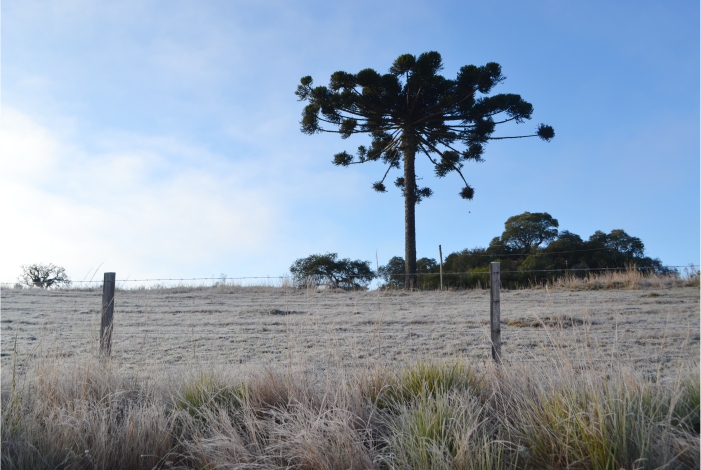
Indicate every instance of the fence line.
{"type": "Point", "coordinates": [224, 279]}
{"type": "Point", "coordinates": [487, 332]}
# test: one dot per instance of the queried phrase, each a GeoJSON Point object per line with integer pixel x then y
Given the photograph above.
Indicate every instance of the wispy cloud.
{"type": "Point", "coordinates": [146, 206]}
{"type": "Point", "coordinates": [164, 138]}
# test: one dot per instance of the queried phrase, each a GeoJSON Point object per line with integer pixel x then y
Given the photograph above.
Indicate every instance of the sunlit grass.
{"type": "Point", "coordinates": [432, 415]}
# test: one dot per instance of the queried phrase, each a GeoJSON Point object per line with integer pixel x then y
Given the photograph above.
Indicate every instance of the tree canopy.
{"type": "Point", "coordinates": [409, 110]}
{"type": "Point", "coordinates": [532, 250]}
{"type": "Point", "coordinates": [327, 269]}
{"type": "Point", "coordinates": [44, 276]}
{"type": "Point", "coordinates": [392, 273]}
{"type": "Point", "coordinates": [528, 231]}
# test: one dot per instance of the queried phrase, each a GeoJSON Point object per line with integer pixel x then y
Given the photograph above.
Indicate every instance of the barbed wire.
{"type": "Point", "coordinates": [639, 268]}
{"type": "Point", "coordinates": [537, 253]}
{"type": "Point", "coordinates": [224, 279]}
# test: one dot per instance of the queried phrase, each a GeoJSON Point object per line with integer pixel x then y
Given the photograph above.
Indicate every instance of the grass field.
{"type": "Point", "coordinates": [262, 377]}
{"type": "Point", "coordinates": [253, 326]}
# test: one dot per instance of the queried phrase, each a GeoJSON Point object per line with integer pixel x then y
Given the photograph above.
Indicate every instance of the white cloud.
{"type": "Point", "coordinates": [145, 206]}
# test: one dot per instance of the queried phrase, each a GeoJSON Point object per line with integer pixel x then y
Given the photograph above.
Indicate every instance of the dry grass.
{"type": "Point", "coordinates": [322, 330]}
{"type": "Point", "coordinates": [573, 392]}
{"type": "Point", "coordinates": [631, 278]}
{"type": "Point", "coordinates": [440, 415]}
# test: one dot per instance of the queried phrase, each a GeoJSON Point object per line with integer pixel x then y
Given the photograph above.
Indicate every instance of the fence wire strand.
{"type": "Point", "coordinates": [225, 279]}
{"type": "Point", "coordinates": [666, 342]}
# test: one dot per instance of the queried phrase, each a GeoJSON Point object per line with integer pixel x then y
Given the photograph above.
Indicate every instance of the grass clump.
{"type": "Point", "coordinates": [210, 393]}
{"type": "Point", "coordinates": [432, 415]}
{"type": "Point", "coordinates": [686, 410]}
{"type": "Point", "coordinates": [84, 416]}
{"type": "Point", "coordinates": [612, 421]}
{"type": "Point", "coordinates": [449, 430]}
{"type": "Point", "coordinates": [424, 379]}
{"type": "Point", "coordinates": [557, 321]}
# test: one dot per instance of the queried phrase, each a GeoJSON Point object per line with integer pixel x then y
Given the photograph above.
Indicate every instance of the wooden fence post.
{"type": "Point", "coordinates": [495, 309]}
{"type": "Point", "coordinates": [107, 313]}
{"type": "Point", "coordinates": [440, 254]}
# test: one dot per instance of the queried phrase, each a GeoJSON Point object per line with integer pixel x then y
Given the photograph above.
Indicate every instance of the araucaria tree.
{"type": "Point", "coordinates": [413, 110]}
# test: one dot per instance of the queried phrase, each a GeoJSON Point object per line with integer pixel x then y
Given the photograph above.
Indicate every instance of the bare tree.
{"type": "Point", "coordinates": [44, 276]}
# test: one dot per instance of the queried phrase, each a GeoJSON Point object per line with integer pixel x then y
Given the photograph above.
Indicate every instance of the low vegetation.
{"type": "Point", "coordinates": [630, 277]}
{"type": "Point", "coordinates": [532, 251]}
{"type": "Point", "coordinates": [579, 408]}
{"type": "Point", "coordinates": [440, 415]}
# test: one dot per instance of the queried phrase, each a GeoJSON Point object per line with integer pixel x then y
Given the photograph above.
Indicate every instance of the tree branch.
{"type": "Point", "coordinates": [441, 154]}
{"type": "Point", "coordinates": [513, 137]}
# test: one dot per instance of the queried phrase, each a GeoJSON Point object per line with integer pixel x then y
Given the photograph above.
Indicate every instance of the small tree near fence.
{"type": "Point", "coordinates": [44, 276]}
{"type": "Point", "coordinates": [328, 270]}
{"type": "Point", "coordinates": [393, 273]}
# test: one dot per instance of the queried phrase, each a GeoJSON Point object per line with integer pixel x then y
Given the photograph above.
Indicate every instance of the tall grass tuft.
{"type": "Point", "coordinates": [445, 430]}
{"type": "Point", "coordinates": [570, 419]}
{"type": "Point", "coordinates": [208, 392]}
{"type": "Point", "coordinates": [431, 415]}
{"type": "Point", "coordinates": [85, 416]}
{"type": "Point", "coordinates": [630, 278]}
{"type": "Point", "coordinates": [387, 390]}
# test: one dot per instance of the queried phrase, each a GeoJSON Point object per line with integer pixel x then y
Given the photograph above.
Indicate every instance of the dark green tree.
{"type": "Point", "coordinates": [327, 269]}
{"type": "Point", "coordinates": [393, 272]}
{"type": "Point", "coordinates": [525, 232]}
{"type": "Point", "coordinates": [426, 269]}
{"type": "Point", "coordinates": [412, 109]}
{"type": "Point", "coordinates": [618, 248]}
{"type": "Point", "coordinates": [466, 260]}
{"type": "Point", "coordinates": [568, 251]}
{"type": "Point", "coordinates": [625, 248]}
{"type": "Point", "coordinates": [426, 265]}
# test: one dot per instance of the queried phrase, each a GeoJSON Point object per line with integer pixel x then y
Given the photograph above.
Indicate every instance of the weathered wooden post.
{"type": "Point", "coordinates": [440, 254]}
{"type": "Point", "coordinates": [495, 309]}
{"type": "Point", "coordinates": [107, 313]}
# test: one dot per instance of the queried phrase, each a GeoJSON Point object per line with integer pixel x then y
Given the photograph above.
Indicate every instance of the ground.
{"type": "Point", "coordinates": [652, 329]}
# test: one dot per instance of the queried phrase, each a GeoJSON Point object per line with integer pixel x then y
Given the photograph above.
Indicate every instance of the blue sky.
{"type": "Point", "coordinates": [161, 139]}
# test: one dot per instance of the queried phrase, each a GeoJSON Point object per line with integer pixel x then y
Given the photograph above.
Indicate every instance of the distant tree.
{"type": "Point", "coordinates": [526, 232]}
{"type": "Point", "coordinates": [617, 249]}
{"type": "Point", "coordinates": [412, 109]}
{"type": "Point", "coordinates": [531, 250]}
{"type": "Point", "coordinates": [625, 248]}
{"type": "Point", "coordinates": [497, 248]}
{"type": "Point", "coordinates": [327, 269]}
{"type": "Point", "coordinates": [393, 272]}
{"type": "Point", "coordinates": [426, 265]}
{"type": "Point", "coordinates": [537, 262]}
{"type": "Point", "coordinates": [426, 269]}
{"type": "Point", "coordinates": [568, 251]}
{"type": "Point", "coordinates": [466, 260]}
{"type": "Point", "coordinates": [44, 276]}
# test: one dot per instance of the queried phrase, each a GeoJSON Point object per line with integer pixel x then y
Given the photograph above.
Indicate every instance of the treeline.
{"type": "Point", "coordinates": [530, 250]}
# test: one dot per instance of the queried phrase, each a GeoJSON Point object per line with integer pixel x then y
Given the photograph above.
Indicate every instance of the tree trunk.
{"type": "Point", "coordinates": [410, 277]}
